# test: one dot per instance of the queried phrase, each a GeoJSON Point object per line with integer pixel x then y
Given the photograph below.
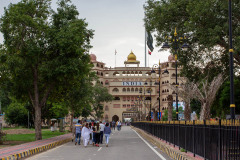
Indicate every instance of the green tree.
{"type": "Point", "coordinates": [16, 113]}
{"type": "Point", "coordinates": [206, 22]}
{"type": "Point", "coordinates": [44, 51]}
{"type": "Point", "coordinates": [100, 95]}
{"type": "Point", "coordinates": [174, 115]}
{"type": "Point", "coordinates": [220, 106]}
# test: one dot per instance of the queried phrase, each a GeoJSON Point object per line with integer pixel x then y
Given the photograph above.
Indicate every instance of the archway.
{"type": "Point", "coordinates": [115, 118]}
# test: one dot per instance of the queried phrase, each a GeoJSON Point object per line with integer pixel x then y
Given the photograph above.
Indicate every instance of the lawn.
{"type": "Point", "coordinates": [31, 137]}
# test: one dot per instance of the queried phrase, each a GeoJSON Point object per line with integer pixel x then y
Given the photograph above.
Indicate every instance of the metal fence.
{"type": "Point", "coordinates": [212, 140]}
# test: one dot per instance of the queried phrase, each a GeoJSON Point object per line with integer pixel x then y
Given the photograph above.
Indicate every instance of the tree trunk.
{"type": "Point", "coordinates": [203, 112]}
{"type": "Point", "coordinates": [71, 120]}
{"type": "Point", "coordinates": [37, 123]}
{"type": "Point", "coordinates": [187, 112]}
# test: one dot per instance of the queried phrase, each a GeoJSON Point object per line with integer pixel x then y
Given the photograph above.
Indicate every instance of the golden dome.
{"type": "Point", "coordinates": [131, 57]}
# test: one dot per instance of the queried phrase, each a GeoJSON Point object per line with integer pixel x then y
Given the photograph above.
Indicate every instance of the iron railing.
{"type": "Point", "coordinates": [212, 140]}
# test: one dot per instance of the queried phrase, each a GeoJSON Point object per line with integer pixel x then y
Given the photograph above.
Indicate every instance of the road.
{"type": "Point", "coordinates": [123, 145]}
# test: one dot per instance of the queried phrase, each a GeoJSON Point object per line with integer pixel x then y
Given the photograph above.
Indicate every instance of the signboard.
{"type": "Point", "coordinates": [180, 104]}
{"type": "Point", "coordinates": [132, 83]}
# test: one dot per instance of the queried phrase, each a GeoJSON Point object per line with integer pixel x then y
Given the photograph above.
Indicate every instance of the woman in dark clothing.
{"type": "Point", "coordinates": [97, 134]}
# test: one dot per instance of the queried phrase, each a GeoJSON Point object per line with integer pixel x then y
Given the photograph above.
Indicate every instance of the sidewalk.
{"type": "Point", "coordinates": [27, 149]}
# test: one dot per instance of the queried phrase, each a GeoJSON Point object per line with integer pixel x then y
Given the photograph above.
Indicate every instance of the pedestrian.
{"type": "Point", "coordinates": [113, 124]}
{"type": "Point", "coordinates": [78, 129]}
{"type": "Point", "coordinates": [94, 133]}
{"type": "Point", "coordinates": [107, 132]}
{"type": "Point", "coordinates": [102, 126]}
{"type": "Point", "coordinates": [119, 125]}
{"type": "Point", "coordinates": [91, 134]}
{"type": "Point", "coordinates": [86, 134]}
{"type": "Point", "coordinates": [73, 131]}
{"type": "Point", "coordinates": [97, 134]}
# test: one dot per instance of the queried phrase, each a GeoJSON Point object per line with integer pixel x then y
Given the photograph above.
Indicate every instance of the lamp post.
{"type": "Point", "coordinates": [159, 79]}
{"type": "Point", "coordinates": [232, 103]}
{"type": "Point", "coordinates": [150, 91]}
{"type": "Point", "coordinates": [176, 39]}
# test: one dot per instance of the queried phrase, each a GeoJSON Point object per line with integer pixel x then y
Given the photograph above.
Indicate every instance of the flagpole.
{"type": "Point", "coordinates": [115, 57]}
{"type": "Point", "coordinates": [145, 49]}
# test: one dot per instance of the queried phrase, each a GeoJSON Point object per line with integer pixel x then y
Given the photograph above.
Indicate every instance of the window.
{"type": "Point", "coordinates": [115, 90]}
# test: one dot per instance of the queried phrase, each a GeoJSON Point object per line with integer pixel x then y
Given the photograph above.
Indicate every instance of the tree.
{"type": "Point", "coordinates": [16, 113]}
{"type": "Point", "coordinates": [100, 95]}
{"type": "Point", "coordinates": [220, 107]}
{"type": "Point", "coordinates": [206, 23]}
{"type": "Point", "coordinates": [44, 51]}
{"type": "Point", "coordinates": [187, 94]}
{"type": "Point", "coordinates": [205, 92]}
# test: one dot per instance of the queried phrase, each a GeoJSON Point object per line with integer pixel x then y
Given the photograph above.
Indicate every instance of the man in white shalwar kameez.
{"type": "Point", "coordinates": [86, 134]}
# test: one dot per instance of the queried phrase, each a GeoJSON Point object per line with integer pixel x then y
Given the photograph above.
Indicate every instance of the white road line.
{"type": "Point", "coordinates": [159, 155]}
{"type": "Point", "coordinates": [99, 149]}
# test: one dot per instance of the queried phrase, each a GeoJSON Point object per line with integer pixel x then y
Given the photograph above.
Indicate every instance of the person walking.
{"type": "Point", "coordinates": [97, 134]}
{"type": "Point", "coordinates": [78, 128]}
{"type": "Point", "coordinates": [102, 126]}
{"type": "Point", "coordinates": [73, 131]}
{"type": "Point", "coordinates": [94, 133]}
{"type": "Point", "coordinates": [107, 132]}
{"type": "Point", "coordinates": [113, 124]}
{"type": "Point", "coordinates": [119, 125]}
{"type": "Point", "coordinates": [86, 134]}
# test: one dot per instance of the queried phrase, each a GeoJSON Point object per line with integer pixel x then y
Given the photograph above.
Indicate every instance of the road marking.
{"type": "Point", "coordinates": [159, 155]}
{"type": "Point", "coordinates": [99, 149]}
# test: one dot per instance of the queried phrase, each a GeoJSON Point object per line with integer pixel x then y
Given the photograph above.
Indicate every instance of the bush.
{"type": "Point", "coordinates": [2, 137]}
{"type": "Point", "coordinates": [16, 113]}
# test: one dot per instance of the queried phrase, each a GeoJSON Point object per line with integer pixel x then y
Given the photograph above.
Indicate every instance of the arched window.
{"type": "Point", "coordinates": [167, 90]}
{"type": "Point", "coordinates": [115, 90]}
{"type": "Point", "coordinates": [163, 99]}
{"type": "Point", "coordinates": [128, 89]}
{"type": "Point", "coordinates": [173, 92]}
{"type": "Point", "coordinates": [106, 117]}
{"type": "Point", "coordinates": [115, 73]}
{"type": "Point", "coordinates": [106, 108]}
{"type": "Point", "coordinates": [173, 75]}
{"type": "Point", "coordinates": [124, 89]}
{"type": "Point", "coordinates": [106, 82]}
{"type": "Point", "coordinates": [117, 98]}
{"type": "Point", "coordinates": [132, 89]}
{"type": "Point", "coordinates": [136, 89]}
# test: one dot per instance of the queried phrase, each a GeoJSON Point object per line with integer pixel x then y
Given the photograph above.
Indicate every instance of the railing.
{"type": "Point", "coordinates": [212, 140]}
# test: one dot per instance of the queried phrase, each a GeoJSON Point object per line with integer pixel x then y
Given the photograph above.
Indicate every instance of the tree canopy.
{"type": "Point", "coordinates": [44, 51]}
{"type": "Point", "coordinates": [206, 23]}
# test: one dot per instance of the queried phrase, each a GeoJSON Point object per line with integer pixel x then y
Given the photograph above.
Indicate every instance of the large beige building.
{"type": "Point", "coordinates": [135, 89]}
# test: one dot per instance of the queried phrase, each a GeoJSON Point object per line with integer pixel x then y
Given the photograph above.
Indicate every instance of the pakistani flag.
{"type": "Point", "coordinates": [150, 41]}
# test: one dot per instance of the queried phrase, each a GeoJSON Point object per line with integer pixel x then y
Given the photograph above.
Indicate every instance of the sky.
{"type": "Point", "coordinates": [118, 25]}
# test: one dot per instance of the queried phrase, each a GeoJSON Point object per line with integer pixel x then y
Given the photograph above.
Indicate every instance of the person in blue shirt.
{"type": "Point", "coordinates": [78, 129]}
{"type": "Point", "coordinates": [107, 132]}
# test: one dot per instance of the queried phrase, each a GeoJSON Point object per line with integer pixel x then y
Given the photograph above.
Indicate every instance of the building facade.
{"type": "Point", "coordinates": [136, 89]}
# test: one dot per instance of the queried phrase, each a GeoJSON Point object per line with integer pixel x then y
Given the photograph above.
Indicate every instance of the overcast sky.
{"type": "Point", "coordinates": [118, 24]}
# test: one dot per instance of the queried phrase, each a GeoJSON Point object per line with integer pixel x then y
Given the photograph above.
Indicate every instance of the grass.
{"type": "Point", "coordinates": [31, 137]}
{"type": "Point", "coordinates": [20, 127]}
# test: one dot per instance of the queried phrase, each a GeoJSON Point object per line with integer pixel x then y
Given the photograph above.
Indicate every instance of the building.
{"type": "Point", "coordinates": [135, 89]}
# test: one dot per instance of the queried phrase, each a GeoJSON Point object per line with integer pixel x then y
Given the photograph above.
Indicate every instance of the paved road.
{"type": "Point", "coordinates": [124, 145]}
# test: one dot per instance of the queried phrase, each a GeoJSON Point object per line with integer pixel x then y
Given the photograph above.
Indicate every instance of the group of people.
{"type": "Point", "coordinates": [113, 124]}
{"type": "Point", "coordinates": [91, 133]}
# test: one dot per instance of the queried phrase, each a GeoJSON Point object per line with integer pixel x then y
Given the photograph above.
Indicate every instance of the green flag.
{"type": "Point", "coordinates": [150, 41]}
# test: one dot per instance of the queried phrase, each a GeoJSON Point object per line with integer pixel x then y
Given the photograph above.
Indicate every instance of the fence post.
{"type": "Point", "coordinates": [174, 133]}
{"type": "Point", "coordinates": [185, 136]}
{"type": "Point", "coordinates": [220, 140]}
{"type": "Point", "coordinates": [193, 138]}
{"type": "Point", "coordinates": [204, 139]}
{"type": "Point", "coordinates": [179, 135]}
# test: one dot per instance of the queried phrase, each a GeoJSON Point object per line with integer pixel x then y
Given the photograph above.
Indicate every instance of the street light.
{"type": "Point", "coordinates": [175, 42]}
{"type": "Point", "coordinates": [159, 79]}
{"type": "Point", "coordinates": [232, 103]}
{"type": "Point", "coordinates": [150, 91]}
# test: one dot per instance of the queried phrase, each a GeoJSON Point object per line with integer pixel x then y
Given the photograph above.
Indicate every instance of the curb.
{"type": "Point", "coordinates": [171, 152]}
{"type": "Point", "coordinates": [36, 150]}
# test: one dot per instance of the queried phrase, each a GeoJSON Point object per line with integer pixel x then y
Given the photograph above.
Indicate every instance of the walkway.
{"type": "Point", "coordinates": [124, 145]}
{"type": "Point", "coordinates": [30, 148]}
